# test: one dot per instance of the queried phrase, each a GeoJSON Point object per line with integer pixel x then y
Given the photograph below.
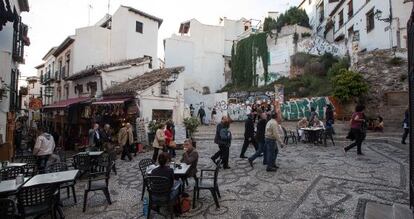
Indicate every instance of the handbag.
{"type": "Point", "coordinates": [172, 144]}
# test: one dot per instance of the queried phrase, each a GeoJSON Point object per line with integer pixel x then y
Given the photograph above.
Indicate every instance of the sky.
{"type": "Point", "coordinates": [51, 21]}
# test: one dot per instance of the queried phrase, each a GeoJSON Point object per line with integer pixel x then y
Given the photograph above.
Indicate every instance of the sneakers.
{"type": "Point", "coordinates": [271, 169]}
{"type": "Point", "coordinates": [251, 163]}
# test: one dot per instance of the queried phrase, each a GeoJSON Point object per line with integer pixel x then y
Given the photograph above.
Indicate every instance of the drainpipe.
{"type": "Point", "coordinates": [391, 33]}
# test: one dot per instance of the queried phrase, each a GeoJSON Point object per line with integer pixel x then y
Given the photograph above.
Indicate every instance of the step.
{"type": "Point", "coordinates": [401, 212]}
{"type": "Point", "coordinates": [375, 210]}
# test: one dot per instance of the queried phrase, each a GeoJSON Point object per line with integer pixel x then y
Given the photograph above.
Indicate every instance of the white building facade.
{"type": "Point", "coordinates": [202, 49]}
{"type": "Point", "coordinates": [360, 25]}
{"type": "Point", "coordinates": [13, 38]}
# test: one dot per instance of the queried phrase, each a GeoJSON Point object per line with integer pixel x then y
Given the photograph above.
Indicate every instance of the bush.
{"type": "Point", "coordinates": [348, 84]}
{"type": "Point", "coordinates": [337, 67]}
{"type": "Point", "coordinates": [269, 24]}
{"type": "Point", "coordinates": [292, 16]}
{"type": "Point", "coordinates": [191, 124]}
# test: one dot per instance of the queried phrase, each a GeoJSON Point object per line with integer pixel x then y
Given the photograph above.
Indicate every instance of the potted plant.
{"type": "Point", "coordinates": [152, 129]}
{"type": "Point", "coordinates": [191, 124]}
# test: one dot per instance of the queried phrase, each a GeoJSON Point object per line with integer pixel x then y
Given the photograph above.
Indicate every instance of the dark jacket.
{"type": "Point", "coordinates": [249, 128]}
{"type": "Point", "coordinates": [218, 129]}
{"type": "Point", "coordinates": [164, 171]}
{"type": "Point", "coordinates": [201, 112]}
{"type": "Point", "coordinates": [261, 128]}
{"type": "Point", "coordinates": [406, 118]}
{"type": "Point", "coordinates": [191, 158]}
{"type": "Point", "coordinates": [329, 115]}
{"type": "Point", "coordinates": [225, 137]}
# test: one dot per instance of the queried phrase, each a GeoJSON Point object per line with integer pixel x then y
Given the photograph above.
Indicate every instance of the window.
{"type": "Point", "coordinates": [67, 91]}
{"type": "Point", "coordinates": [370, 20]}
{"type": "Point", "coordinates": [164, 88]}
{"type": "Point", "coordinates": [341, 18]}
{"type": "Point", "coordinates": [79, 89]}
{"type": "Point", "coordinates": [92, 87]}
{"type": "Point", "coordinates": [350, 9]}
{"type": "Point", "coordinates": [67, 63]}
{"type": "Point", "coordinates": [139, 27]}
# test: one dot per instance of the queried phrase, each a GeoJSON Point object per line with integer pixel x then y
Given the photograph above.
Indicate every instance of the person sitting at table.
{"type": "Point", "coordinates": [379, 124]}
{"type": "Point", "coordinates": [318, 123]}
{"type": "Point", "coordinates": [165, 171]}
{"type": "Point", "coordinates": [44, 147]}
{"type": "Point", "coordinates": [190, 157]}
{"type": "Point", "coordinates": [303, 123]}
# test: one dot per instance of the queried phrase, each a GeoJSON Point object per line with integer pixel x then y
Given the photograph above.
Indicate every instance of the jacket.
{"type": "Point", "coordinates": [124, 135]}
{"type": "Point", "coordinates": [249, 128]}
{"type": "Point", "coordinates": [218, 129]}
{"type": "Point", "coordinates": [159, 141]}
{"type": "Point", "coordinates": [261, 128]}
{"type": "Point", "coordinates": [93, 138]}
{"type": "Point", "coordinates": [225, 137]}
{"type": "Point", "coordinates": [168, 136]}
{"type": "Point", "coordinates": [45, 145]}
{"type": "Point", "coordinates": [191, 158]}
{"type": "Point", "coordinates": [272, 131]}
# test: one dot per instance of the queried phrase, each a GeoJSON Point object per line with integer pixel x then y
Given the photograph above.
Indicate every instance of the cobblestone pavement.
{"type": "Point", "coordinates": [312, 182]}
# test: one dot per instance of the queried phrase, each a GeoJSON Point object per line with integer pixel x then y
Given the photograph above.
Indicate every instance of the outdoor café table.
{"type": "Point", "coordinates": [13, 165]}
{"type": "Point", "coordinates": [92, 153]}
{"type": "Point", "coordinates": [9, 187]}
{"type": "Point", "coordinates": [312, 134]}
{"type": "Point", "coordinates": [52, 178]}
{"type": "Point", "coordinates": [177, 171]}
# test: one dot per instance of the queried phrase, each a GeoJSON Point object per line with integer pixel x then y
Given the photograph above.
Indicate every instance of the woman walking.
{"type": "Point", "coordinates": [169, 137]}
{"type": "Point", "coordinates": [357, 132]}
{"type": "Point", "coordinates": [159, 141]}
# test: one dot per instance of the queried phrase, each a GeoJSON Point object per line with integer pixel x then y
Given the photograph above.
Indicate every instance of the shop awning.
{"type": "Point", "coordinates": [107, 101]}
{"type": "Point", "coordinates": [66, 103]}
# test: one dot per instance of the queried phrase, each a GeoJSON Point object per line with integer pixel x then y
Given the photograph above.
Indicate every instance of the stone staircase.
{"type": "Point", "coordinates": [375, 210]}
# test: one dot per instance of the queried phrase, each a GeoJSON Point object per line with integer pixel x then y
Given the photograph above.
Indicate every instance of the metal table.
{"type": "Point", "coordinates": [312, 134]}
{"type": "Point", "coordinates": [52, 178]}
{"type": "Point", "coordinates": [177, 172]}
{"type": "Point", "coordinates": [9, 187]}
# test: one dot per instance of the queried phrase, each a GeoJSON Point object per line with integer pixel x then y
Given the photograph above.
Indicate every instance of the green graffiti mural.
{"type": "Point", "coordinates": [299, 108]}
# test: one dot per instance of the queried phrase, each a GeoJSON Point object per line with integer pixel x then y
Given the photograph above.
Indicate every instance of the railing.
{"type": "Point", "coordinates": [410, 33]}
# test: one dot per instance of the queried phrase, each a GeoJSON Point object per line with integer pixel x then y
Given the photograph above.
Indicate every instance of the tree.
{"type": "Point", "coordinates": [348, 85]}
{"type": "Point", "coordinates": [293, 16]}
{"type": "Point", "coordinates": [269, 24]}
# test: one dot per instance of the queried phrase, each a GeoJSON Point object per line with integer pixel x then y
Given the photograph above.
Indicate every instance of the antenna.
{"type": "Point", "coordinates": [89, 13]}
{"type": "Point", "coordinates": [109, 5]}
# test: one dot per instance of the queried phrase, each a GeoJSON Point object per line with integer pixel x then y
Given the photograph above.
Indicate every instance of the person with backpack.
{"type": "Point", "coordinates": [223, 152]}
{"type": "Point", "coordinates": [358, 129]}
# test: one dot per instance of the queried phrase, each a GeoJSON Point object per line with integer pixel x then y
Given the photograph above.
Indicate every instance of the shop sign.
{"type": "Point", "coordinates": [35, 104]}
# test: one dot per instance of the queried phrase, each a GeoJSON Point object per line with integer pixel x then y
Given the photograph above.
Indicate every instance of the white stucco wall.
{"type": "Point", "coordinates": [208, 102]}
{"type": "Point", "coordinates": [91, 47]}
{"type": "Point", "coordinates": [201, 52]}
{"type": "Point", "coordinates": [126, 43]}
{"type": "Point", "coordinates": [151, 99]}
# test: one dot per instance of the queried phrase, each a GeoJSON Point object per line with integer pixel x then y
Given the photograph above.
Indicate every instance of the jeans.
{"type": "Point", "coordinates": [405, 135]}
{"type": "Point", "coordinates": [359, 137]}
{"type": "Point", "coordinates": [223, 153]}
{"type": "Point", "coordinates": [246, 144]}
{"type": "Point", "coordinates": [259, 151]}
{"type": "Point", "coordinates": [126, 152]}
{"type": "Point", "coordinates": [271, 152]}
{"type": "Point", "coordinates": [42, 162]}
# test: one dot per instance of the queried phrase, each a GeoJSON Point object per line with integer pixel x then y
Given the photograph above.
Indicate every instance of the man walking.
{"type": "Point", "coordinates": [260, 138]}
{"type": "Point", "coordinates": [201, 113]}
{"type": "Point", "coordinates": [95, 138]}
{"type": "Point", "coordinates": [248, 135]}
{"type": "Point", "coordinates": [126, 138]}
{"type": "Point", "coordinates": [44, 147]}
{"type": "Point", "coordinates": [223, 152]}
{"type": "Point", "coordinates": [271, 139]}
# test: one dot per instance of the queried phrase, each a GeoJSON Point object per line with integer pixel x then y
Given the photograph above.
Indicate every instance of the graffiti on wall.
{"type": "Point", "coordinates": [240, 103]}
{"type": "Point", "coordinates": [296, 109]}
{"type": "Point", "coordinates": [319, 46]}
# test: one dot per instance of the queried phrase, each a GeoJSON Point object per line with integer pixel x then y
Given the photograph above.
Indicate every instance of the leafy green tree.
{"type": "Point", "coordinates": [336, 68]}
{"type": "Point", "coordinates": [293, 16]}
{"type": "Point", "coordinates": [269, 24]}
{"type": "Point", "coordinates": [348, 85]}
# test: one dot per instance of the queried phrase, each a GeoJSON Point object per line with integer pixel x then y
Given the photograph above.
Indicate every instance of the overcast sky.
{"type": "Point", "coordinates": [51, 21]}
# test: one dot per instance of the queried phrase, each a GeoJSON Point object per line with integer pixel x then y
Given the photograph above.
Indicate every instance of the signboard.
{"type": "Point", "coordinates": [35, 104]}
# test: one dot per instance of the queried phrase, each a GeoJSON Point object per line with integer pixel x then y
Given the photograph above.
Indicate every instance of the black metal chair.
{"type": "Point", "coordinates": [98, 181]}
{"type": "Point", "coordinates": [143, 165]}
{"type": "Point", "coordinates": [208, 183]}
{"type": "Point", "coordinates": [30, 170]}
{"type": "Point", "coordinates": [104, 161]}
{"type": "Point", "coordinates": [159, 189]}
{"type": "Point", "coordinates": [83, 163]}
{"type": "Point", "coordinates": [37, 200]}
{"type": "Point", "coordinates": [29, 159]}
{"type": "Point", "coordinates": [289, 135]}
{"type": "Point", "coordinates": [7, 208]}
{"type": "Point", "coordinates": [8, 173]}
{"type": "Point", "coordinates": [59, 167]}
{"type": "Point", "coordinates": [328, 134]}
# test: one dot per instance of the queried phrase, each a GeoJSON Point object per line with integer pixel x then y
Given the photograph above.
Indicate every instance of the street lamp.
{"type": "Point", "coordinates": [378, 15]}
